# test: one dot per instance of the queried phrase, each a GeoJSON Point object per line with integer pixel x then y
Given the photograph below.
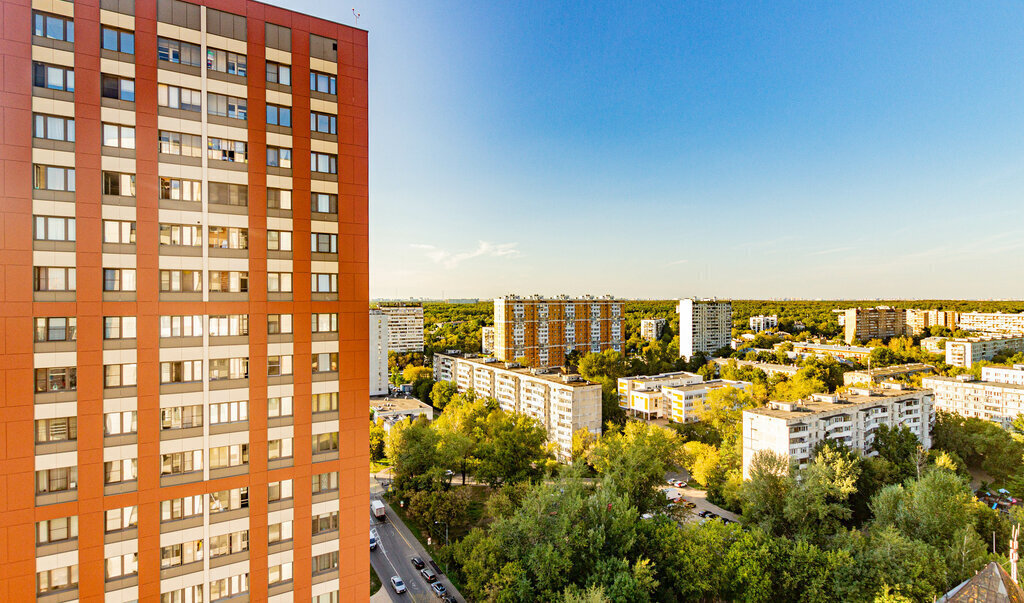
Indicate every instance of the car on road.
{"type": "Point", "coordinates": [417, 563]}
{"type": "Point", "coordinates": [704, 513]}
{"type": "Point", "coordinates": [373, 540]}
{"type": "Point", "coordinates": [397, 584]}
{"type": "Point", "coordinates": [428, 574]}
{"type": "Point", "coordinates": [690, 505]}
{"type": "Point", "coordinates": [439, 589]}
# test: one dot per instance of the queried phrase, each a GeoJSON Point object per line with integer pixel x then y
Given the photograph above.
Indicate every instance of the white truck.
{"type": "Point", "coordinates": [378, 510]}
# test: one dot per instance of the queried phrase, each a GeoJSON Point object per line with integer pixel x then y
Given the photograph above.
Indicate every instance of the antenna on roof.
{"type": "Point", "coordinates": [357, 15]}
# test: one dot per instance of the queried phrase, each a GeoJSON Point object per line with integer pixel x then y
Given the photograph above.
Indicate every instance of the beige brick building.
{"type": "Point", "coordinates": [880, 322]}
{"type": "Point", "coordinates": [919, 321]}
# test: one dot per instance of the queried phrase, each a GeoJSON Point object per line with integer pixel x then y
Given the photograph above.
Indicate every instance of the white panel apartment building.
{"type": "Point", "coordinates": [652, 328]}
{"type": "Point", "coordinates": [763, 322]}
{"type": "Point", "coordinates": [405, 327]}
{"type": "Point", "coordinates": [704, 326]}
{"type": "Point", "coordinates": [992, 322]}
{"type": "Point", "coordinates": [378, 353]}
{"type": "Point", "coordinates": [486, 340]}
{"type": "Point", "coordinates": [562, 403]}
{"type": "Point", "coordinates": [997, 397]}
{"type": "Point", "coordinates": [793, 429]}
{"type": "Point", "coordinates": [968, 350]}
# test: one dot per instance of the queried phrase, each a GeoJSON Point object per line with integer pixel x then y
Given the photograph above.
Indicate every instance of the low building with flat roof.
{"type": "Point", "coordinates": [682, 399]}
{"type": "Point", "coordinates": [769, 368]}
{"type": "Point", "coordinates": [641, 396]}
{"type": "Point", "coordinates": [879, 375]}
{"type": "Point", "coordinates": [839, 352]}
{"type": "Point", "coordinates": [394, 409]}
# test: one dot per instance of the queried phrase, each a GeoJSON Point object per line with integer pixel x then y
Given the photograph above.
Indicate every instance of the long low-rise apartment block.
{"type": "Point", "coordinates": [769, 368]}
{"type": "Point", "coordinates": [968, 350]}
{"type": "Point", "coordinates": [997, 397]}
{"type": "Point", "coordinates": [992, 322]}
{"type": "Point", "coordinates": [794, 429]}
{"type": "Point", "coordinates": [839, 352]}
{"type": "Point", "coordinates": [668, 395]}
{"type": "Point", "coordinates": [563, 403]}
{"type": "Point", "coordinates": [879, 375]}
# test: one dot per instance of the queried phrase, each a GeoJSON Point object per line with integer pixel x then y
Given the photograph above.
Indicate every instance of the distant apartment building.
{"type": "Point", "coordinates": [997, 397]}
{"type": "Point", "coordinates": [966, 351]}
{"type": "Point", "coordinates": [543, 330]}
{"type": "Point", "coordinates": [880, 322]}
{"type": "Point", "coordinates": [395, 409]}
{"type": "Point", "coordinates": [487, 340]}
{"type": "Point", "coordinates": [682, 398]}
{"type": "Point", "coordinates": [878, 375]}
{"type": "Point", "coordinates": [652, 328]}
{"type": "Point", "coordinates": [992, 322]}
{"type": "Point", "coordinates": [763, 322]}
{"type": "Point", "coordinates": [562, 403]}
{"type": "Point", "coordinates": [769, 368]}
{"type": "Point", "coordinates": [669, 395]}
{"type": "Point", "coordinates": [934, 345]}
{"type": "Point", "coordinates": [704, 326]}
{"type": "Point", "coordinates": [379, 375]}
{"type": "Point", "coordinates": [919, 321]}
{"type": "Point", "coordinates": [793, 429]}
{"type": "Point", "coordinates": [405, 326]}
{"type": "Point", "coordinates": [822, 350]}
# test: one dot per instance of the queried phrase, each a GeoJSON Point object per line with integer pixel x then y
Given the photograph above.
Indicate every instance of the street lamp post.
{"type": "Point", "coordinates": [445, 531]}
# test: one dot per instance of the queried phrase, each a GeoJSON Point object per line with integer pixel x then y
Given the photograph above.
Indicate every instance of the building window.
{"type": "Point", "coordinates": [327, 402]}
{"type": "Point", "coordinates": [176, 97]}
{"type": "Point", "coordinates": [279, 282]}
{"type": "Point", "coordinates": [54, 27]}
{"type": "Point", "coordinates": [323, 242]}
{"type": "Point", "coordinates": [325, 563]}
{"type": "Point", "coordinates": [279, 157]}
{"type": "Point", "coordinates": [55, 329]}
{"type": "Point", "coordinates": [325, 442]}
{"type": "Point", "coordinates": [119, 88]}
{"type": "Point", "coordinates": [53, 77]}
{"type": "Point", "coordinates": [63, 379]}
{"type": "Point", "coordinates": [53, 127]}
{"type": "Point", "coordinates": [119, 279]}
{"type": "Point", "coordinates": [229, 500]}
{"type": "Point", "coordinates": [124, 518]}
{"type": "Point", "coordinates": [279, 116]}
{"type": "Point", "coordinates": [178, 463]}
{"type": "Point", "coordinates": [176, 51]}
{"type": "Point", "coordinates": [57, 579]}
{"type": "Point", "coordinates": [226, 106]}
{"type": "Point", "coordinates": [61, 479]}
{"type": "Point", "coordinates": [181, 326]}
{"type": "Point", "coordinates": [324, 283]}
{"type": "Point", "coordinates": [279, 532]}
{"type": "Point", "coordinates": [181, 554]}
{"type": "Point", "coordinates": [331, 597]}
{"type": "Point", "coordinates": [119, 327]}
{"type": "Point", "coordinates": [279, 240]}
{"type": "Point", "coordinates": [56, 530]}
{"type": "Point", "coordinates": [225, 62]}
{"type": "Point", "coordinates": [53, 178]}
{"type": "Point", "coordinates": [177, 189]}
{"type": "Point", "coordinates": [229, 368]}
{"type": "Point", "coordinates": [229, 325]}
{"type": "Point", "coordinates": [279, 449]}
{"type": "Point", "coordinates": [181, 281]}
{"type": "Point", "coordinates": [53, 228]}
{"type": "Point", "coordinates": [326, 522]}
{"type": "Point", "coordinates": [279, 407]}
{"type": "Point", "coordinates": [178, 143]}
{"type": "Point", "coordinates": [279, 490]}
{"type": "Point", "coordinates": [227, 150]}
{"type": "Point", "coordinates": [180, 235]}
{"type": "Point", "coordinates": [222, 457]}
{"type": "Point", "coordinates": [124, 470]}
{"type": "Point", "coordinates": [227, 237]}
{"type": "Point", "coordinates": [181, 417]}
{"type": "Point", "coordinates": [280, 573]}
{"type": "Point", "coordinates": [323, 122]}
{"type": "Point", "coordinates": [116, 231]}
{"type": "Point", "coordinates": [323, 82]}
{"type": "Point", "coordinates": [191, 594]}
{"type": "Point", "coordinates": [279, 365]}
{"type": "Point", "coordinates": [61, 429]}
{"type": "Point", "coordinates": [228, 587]}
{"type": "Point", "coordinates": [120, 375]}
{"type": "Point", "coordinates": [325, 482]}
{"type": "Point", "coordinates": [119, 136]}
{"type": "Point", "coordinates": [279, 198]}
{"type": "Point", "coordinates": [324, 163]}
{"type": "Point", "coordinates": [325, 322]}
{"type": "Point", "coordinates": [279, 323]}
{"type": "Point", "coordinates": [323, 203]}
{"type": "Point", "coordinates": [180, 508]}
{"type": "Point", "coordinates": [229, 194]}
{"type": "Point", "coordinates": [229, 412]}
{"type": "Point", "coordinates": [279, 74]}
{"type": "Point", "coordinates": [227, 544]}
{"type": "Point", "coordinates": [115, 183]}
{"type": "Point", "coordinates": [120, 423]}
{"type": "Point", "coordinates": [119, 40]}
{"type": "Point", "coordinates": [181, 371]}
{"type": "Point", "coordinates": [325, 363]}
{"type": "Point", "coordinates": [224, 281]}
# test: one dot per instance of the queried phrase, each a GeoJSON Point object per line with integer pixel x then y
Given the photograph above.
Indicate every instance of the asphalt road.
{"type": "Point", "coordinates": [396, 546]}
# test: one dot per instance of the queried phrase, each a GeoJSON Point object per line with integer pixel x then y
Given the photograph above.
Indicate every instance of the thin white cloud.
{"type": "Point", "coordinates": [829, 251]}
{"type": "Point", "coordinates": [450, 259]}
{"type": "Point", "coordinates": [677, 262]}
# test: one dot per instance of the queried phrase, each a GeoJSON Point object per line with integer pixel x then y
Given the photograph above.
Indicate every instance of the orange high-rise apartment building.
{"type": "Point", "coordinates": [183, 294]}
{"type": "Point", "coordinates": [543, 330]}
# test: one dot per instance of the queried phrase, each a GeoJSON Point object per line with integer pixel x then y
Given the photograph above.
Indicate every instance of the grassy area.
{"type": "Point", "coordinates": [376, 466]}
{"type": "Point", "coordinates": [374, 581]}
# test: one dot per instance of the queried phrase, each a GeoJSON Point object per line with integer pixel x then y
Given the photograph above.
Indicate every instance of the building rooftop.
{"type": "Point", "coordinates": [396, 404]}
{"type": "Point", "coordinates": [899, 369]}
{"type": "Point", "coordinates": [825, 347]}
{"type": "Point", "coordinates": [787, 368]}
{"type": "Point", "coordinates": [712, 384]}
{"type": "Point", "coordinates": [853, 399]}
{"type": "Point", "coordinates": [972, 380]}
{"type": "Point", "coordinates": [981, 338]}
{"type": "Point", "coordinates": [547, 374]}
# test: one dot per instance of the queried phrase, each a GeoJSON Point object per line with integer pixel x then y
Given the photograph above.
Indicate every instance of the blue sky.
{"type": "Point", "coordinates": [769, 149]}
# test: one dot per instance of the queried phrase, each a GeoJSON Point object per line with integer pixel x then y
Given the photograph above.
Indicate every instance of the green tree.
{"type": "Point", "coordinates": [513, 449]}
{"type": "Point", "coordinates": [817, 506]}
{"type": "Point", "coordinates": [636, 460]}
{"type": "Point", "coordinates": [377, 439]}
{"type": "Point", "coordinates": [442, 393]}
{"type": "Point", "coordinates": [703, 462]}
{"type": "Point", "coordinates": [899, 446]}
{"type": "Point", "coordinates": [765, 493]}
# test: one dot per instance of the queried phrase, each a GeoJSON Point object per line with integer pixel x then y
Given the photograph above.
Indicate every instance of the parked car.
{"type": "Point", "coordinates": [690, 505]}
{"type": "Point", "coordinates": [373, 540]}
{"type": "Point", "coordinates": [428, 574]}
{"type": "Point", "coordinates": [417, 563]}
{"type": "Point", "coordinates": [704, 513]}
{"type": "Point", "coordinates": [397, 584]}
{"type": "Point", "coordinates": [439, 589]}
